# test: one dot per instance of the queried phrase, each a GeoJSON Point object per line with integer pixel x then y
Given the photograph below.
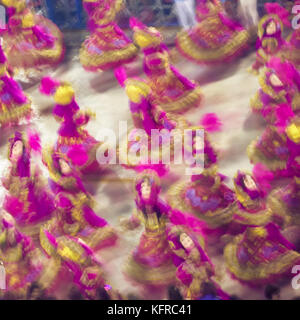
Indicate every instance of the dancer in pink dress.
{"type": "Point", "coordinates": [107, 47]}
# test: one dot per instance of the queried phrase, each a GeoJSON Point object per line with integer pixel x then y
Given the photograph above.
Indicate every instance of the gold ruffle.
{"type": "Point", "coordinates": [34, 57]}
{"type": "Point", "coordinates": [91, 61]}
{"type": "Point", "coordinates": [188, 47]}
{"type": "Point", "coordinates": [214, 219]}
{"type": "Point", "coordinates": [14, 114]}
{"type": "Point", "coordinates": [262, 271]}
{"type": "Point", "coordinates": [163, 275]}
{"type": "Point", "coordinates": [99, 236]}
{"type": "Point", "coordinates": [254, 219]}
{"type": "Point", "coordinates": [256, 156]}
{"type": "Point", "coordinates": [190, 100]}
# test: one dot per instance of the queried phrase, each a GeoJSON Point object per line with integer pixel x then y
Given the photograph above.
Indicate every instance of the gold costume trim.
{"type": "Point", "coordinates": [187, 45]}
{"type": "Point", "coordinates": [14, 113]}
{"type": "Point", "coordinates": [260, 272]}
{"type": "Point", "coordinates": [165, 274]}
{"type": "Point", "coordinates": [188, 101]}
{"type": "Point", "coordinates": [256, 156]}
{"type": "Point", "coordinates": [214, 219]}
{"type": "Point", "coordinates": [89, 60]}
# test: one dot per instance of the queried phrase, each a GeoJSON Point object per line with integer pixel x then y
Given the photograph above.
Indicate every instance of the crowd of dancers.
{"type": "Point", "coordinates": [50, 234]}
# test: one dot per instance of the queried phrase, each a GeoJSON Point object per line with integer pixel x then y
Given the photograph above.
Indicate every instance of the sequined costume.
{"type": "Point", "coordinates": [252, 210]}
{"type": "Point", "coordinates": [270, 42]}
{"type": "Point", "coordinates": [206, 196]}
{"type": "Point", "coordinates": [30, 40]}
{"type": "Point", "coordinates": [70, 259]}
{"type": "Point", "coordinates": [74, 206]}
{"type": "Point", "coordinates": [170, 90]}
{"type": "Point", "coordinates": [28, 199]}
{"type": "Point", "coordinates": [15, 106]}
{"type": "Point", "coordinates": [20, 258]}
{"type": "Point", "coordinates": [137, 147]}
{"type": "Point", "coordinates": [260, 255]}
{"type": "Point", "coordinates": [215, 39]}
{"type": "Point", "coordinates": [107, 47]}
{"type": "Point", "coordinates": [151, 262]}
{"type": "Point", "coordinates": [286, 202]}
{"type": "Point", "coordinates": [73, 140]}
{"type": "Point", "coordinates": [194, 267]}
{"type": "Point", "coordinates": [278, 148]}
{"type": "Point", "coordinates": [279, 90]}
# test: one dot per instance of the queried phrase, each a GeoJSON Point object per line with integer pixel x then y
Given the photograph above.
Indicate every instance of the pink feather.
{"type": "Point", "coordinates": [120, 74]}
{"type": "Point", "coordinates": [78, 155]}
{"type": "Point", "coordinates": [211, 122]}
{"type": "Point", "coordinates": [48, 86]}
{"type": "Point", "coordinates": [34, 140]}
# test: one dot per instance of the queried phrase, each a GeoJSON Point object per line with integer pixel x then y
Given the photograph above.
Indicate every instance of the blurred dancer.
{"type": "Point", "coordinates": [185, 10]}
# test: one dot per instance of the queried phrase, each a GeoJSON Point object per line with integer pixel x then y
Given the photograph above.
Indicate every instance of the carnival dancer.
{"type": "Point", "coordinates": [215, 39]}
{"type": "Point", "coordinates": [170, 90]}
{"type": "Point", "coordinates": [107, 47]}
{"type": "Point", "coordinates": [28, 198]}
{"type": "Point", "coordinates": [260, 255]}
{"type": "Point", "coordinates": [151, 262]}
{"type": "Point", "coordinates": [73, 140]}
{"type": "Point", "coordinates": [270, 41]}
{"type": "Point", "coordinates": [15, 106]}
{"type": "Point", "coordinates": [30, 41]}
{"type": "Point", "coordinates": [74, 205]}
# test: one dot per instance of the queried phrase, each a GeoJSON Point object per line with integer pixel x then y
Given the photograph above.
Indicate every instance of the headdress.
{"type": "Point", "coordinates": [145, 36]}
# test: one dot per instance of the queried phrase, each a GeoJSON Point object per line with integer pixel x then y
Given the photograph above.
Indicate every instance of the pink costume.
{"type": "Point", "coordinates": [271, 42]}
{"type": "Point", "coordinates": [278, 148]}
{"type": "Point", "coordinates": [170, 90]}
{"type": "Point", "coordinates": [28, 200]}
{"type": "Point", "coordinates": [107, 47]}
{"type": "Point", "coordinates": [260, 255]}
{"type": "Point", "coordinates": [70, 259]}
{"type": "Point", "coordinates": [30, 40]}
{"type": "Point", "coordinates": [147, 116]}
{"type": "Point", "coordinates": [286, 201]}
{"type": "Point", "coordinates": [74, 206]}
{"type": "Point", "coordinates": [73, 140]}
{"type": "Point", "coordinates": [14, 104]}
{"type": "Point", "coordinates": [206, 196]}
{"type": "Point", "coordinates": [252, 210]}
{"type": "Point", "coordinates": [151, 262]}
{"type": "Point", "coordinates": [17, 252]}
{"type": "Point", "coordinates": [194, 267]}
{"type": "Point", "coordinates": [279, 92]}
{"type": "Point", "coordinates": [215, 39]}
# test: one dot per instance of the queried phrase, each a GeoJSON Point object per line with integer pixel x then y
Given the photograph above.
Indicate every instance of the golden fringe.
{"type": "Point", "coordinates": [260, 272]}
{"type": "Point", "coordinates": [14, 114]}
{"type": "Point", "coordinates": [165, 274]}
{"type": "Point", "coordinates": [202, 55]}
{"type": "Point", "coordinates": [214, 219]}
{"type": "Point", "coordinates": [99, 235]}
{"type": "Point", "coordinates": [190, 100]}
{"type": "Point", "coordinates": [51, 270]}
{"type": "Point", "coordinates": [279, 209]}
{"type": "Point", "coordinates": [89, 60]}
{"type": "Point", "coordinates": [256, 103]}
{"type": "Point", "coordinates": [256, 156]}
{"type": "Point", "coordinates": [258, 219]}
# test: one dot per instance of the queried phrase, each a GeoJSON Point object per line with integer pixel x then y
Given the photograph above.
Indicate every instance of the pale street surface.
{"type": "Point", "coordinates": [227, 91]}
